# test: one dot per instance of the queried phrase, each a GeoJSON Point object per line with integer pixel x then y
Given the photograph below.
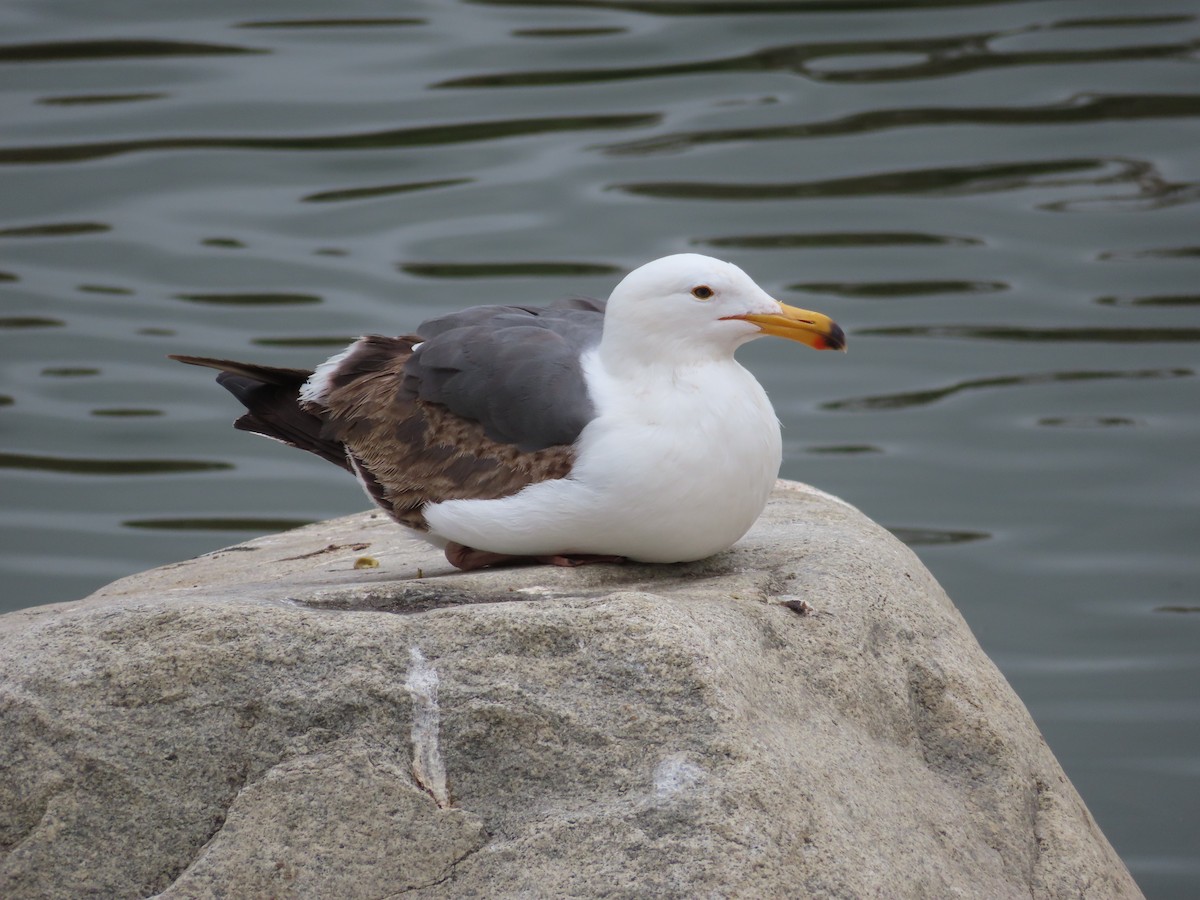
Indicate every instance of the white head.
{"type": "Point", "coordinates": [690, 308]}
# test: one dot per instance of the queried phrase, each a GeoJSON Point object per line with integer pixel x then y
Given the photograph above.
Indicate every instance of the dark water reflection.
{"type": "Point", "coordinates": [1088, 421]}
{"type": "Point", "coordinates": [1075, 110]}
{"type": "Point", "coordinates": [1175, 300]}
{"type": "Point", "coordinates": [997, 200]}
{"type": "Point", "coordinates": [71, 51]}
{"type": "Point", "coordinates": [845, 448]}
{"type": "Point", "coordinates": [928, 537]}
{"type": "Point", "coordinates": [384, 190]}
{"type": "Point", "coordinates": [258, 526]}
{"type": "Point", "coordinates": [332, 23]}
{"type": "Point", "coordinates": [95, 99]}
{"type": "Point", "coordinates": [70, 371]}
{"type": "Point", "coordinates": [29, 321]}
{"type": "Point", "coordinates": [57, 229]}
{"type": "Point", "coordinates": [932, 395]}
{"type": "Point", "coordinates": [509, 270]}
{"type": "Point", "coordinates": [240, 299]}
{"type": "Point", "coordinates": [833, 239]}
{"type": "Point", "coordinates": [125, 413]}
{"type": "Point", "coordinates": [430, 136]}
{"type": "Point", "coordinates": [885, 289]}
{"type": "Point", "coordinates": [1153, 191]}
{"type": "Point", "coordinates": [104, 289]}
{"type": "Point", "coordinates": [740, 7]}
{"type": "Point", "coordinates": [1056, 335]}
{"type": "Point", "coordinates": [957, 55]}
{"type": "Point", "coordinates": [67, 466]}
{"type": "Point", "coordinates": [1164, 253]}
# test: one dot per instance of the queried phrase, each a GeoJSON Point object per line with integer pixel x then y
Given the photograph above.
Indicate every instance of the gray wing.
{"type": "Point", "coordinates": [513, 369]}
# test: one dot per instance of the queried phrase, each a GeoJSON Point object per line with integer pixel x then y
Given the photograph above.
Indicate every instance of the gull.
{"type": "Point", "coordinates": [577, 432]}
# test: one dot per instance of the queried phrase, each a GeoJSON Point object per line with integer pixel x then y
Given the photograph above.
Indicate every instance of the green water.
{"type": "Point", "coordinates": [997, 200]}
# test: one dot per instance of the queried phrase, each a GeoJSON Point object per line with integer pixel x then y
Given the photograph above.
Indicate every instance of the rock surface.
{"type": "Point", "coordinates": [270, 721]}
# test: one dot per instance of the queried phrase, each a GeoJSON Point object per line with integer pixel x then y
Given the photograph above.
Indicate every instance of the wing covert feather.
{"type": "Point", "coordinates": [491, 400]}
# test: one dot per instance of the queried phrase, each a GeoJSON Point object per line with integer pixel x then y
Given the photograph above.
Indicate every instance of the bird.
{"type": "Point", "coordinates": [578, 432]}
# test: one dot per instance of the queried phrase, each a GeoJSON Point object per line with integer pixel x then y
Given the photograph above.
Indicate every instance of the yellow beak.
{"type": "Point", "coordinates": [813, 328]}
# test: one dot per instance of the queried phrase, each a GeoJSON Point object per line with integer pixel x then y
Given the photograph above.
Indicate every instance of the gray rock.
{"type": "Point", "coordinates": [270, 721]}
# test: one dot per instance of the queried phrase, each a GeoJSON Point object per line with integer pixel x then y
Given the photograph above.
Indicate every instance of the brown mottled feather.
{"type": "Point", "coordinates": [409, 452]}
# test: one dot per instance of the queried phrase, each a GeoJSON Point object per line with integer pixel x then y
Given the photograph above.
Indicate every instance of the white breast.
{"type": "Point", "coordinates": [673, 467]}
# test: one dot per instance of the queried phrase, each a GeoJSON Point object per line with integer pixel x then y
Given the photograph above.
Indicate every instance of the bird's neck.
{"type": "Point", "coordinates": [626, 351]}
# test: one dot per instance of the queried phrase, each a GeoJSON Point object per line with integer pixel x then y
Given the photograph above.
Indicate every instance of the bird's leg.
{"type": "Point", "coordinates": [468, 558]}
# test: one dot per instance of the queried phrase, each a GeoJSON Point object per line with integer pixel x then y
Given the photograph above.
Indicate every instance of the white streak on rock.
{"type": "Point", "coordinates": [674, 775]}
{"type": "Point", "coordinates": [428, 767]}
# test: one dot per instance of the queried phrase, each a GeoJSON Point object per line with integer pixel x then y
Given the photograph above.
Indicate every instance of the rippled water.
{"type": "Point", "coordinates": [997, 200]}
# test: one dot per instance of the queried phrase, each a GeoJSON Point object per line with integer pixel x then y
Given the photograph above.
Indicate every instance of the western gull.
{"type": "Point", "coordinates": [569, 433]}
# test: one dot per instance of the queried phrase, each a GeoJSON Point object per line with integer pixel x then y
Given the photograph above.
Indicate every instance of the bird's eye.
{"type": "Point", "coordinates": [703, 292]}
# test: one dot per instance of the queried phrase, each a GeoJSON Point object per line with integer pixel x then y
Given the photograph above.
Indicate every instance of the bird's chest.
{"type": "Point", "coordinates": [709, 435]}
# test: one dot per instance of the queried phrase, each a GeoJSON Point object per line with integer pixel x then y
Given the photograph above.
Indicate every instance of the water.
{"type": "Point", "coordinates": [997, 200]}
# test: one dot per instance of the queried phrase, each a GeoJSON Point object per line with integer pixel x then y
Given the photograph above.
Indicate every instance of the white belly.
{"type": "Point", "coordinates": [666, 472]}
